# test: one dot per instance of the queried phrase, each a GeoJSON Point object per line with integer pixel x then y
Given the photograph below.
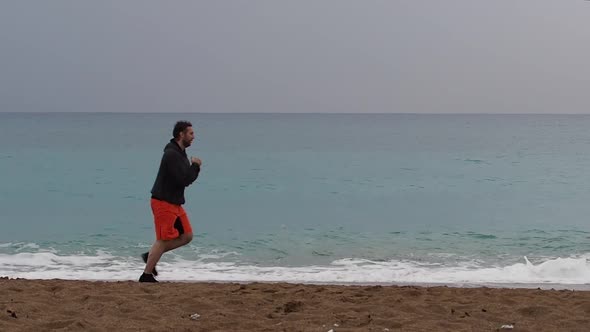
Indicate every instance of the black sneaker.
{"type": "Point", "coordinates": [144, 256]}
{"type": "Point", "coordinates": [147, 278]}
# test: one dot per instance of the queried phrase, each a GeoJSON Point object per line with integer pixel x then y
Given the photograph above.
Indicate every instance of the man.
{"type": "Point", "coordinates": [172, 225]}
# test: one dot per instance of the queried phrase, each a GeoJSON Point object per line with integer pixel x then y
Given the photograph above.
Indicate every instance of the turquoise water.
{"type": "Point", "coordinates": [394, 198]}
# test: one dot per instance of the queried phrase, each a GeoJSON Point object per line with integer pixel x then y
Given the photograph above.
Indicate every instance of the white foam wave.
{"type": "Point", "coordinates": [104, 266]}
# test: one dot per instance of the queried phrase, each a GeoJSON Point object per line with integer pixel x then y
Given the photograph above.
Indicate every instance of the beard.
{"type": "Point", "coordinates": [186, 143]}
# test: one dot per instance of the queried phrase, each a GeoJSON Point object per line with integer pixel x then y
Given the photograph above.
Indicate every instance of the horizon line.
{"type": "Point", "coordinates": [290, 113]}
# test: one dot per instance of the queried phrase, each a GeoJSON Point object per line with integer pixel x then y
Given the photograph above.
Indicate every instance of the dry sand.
{"type": "Point", "coordinates": [42, 305]}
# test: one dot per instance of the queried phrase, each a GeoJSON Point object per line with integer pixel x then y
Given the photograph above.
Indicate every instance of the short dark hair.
{"type": "Point", "coordinates": [179, 127]}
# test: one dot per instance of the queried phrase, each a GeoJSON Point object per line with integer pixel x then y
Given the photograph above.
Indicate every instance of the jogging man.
{"type": "Point", "coordinates": [172, 226]}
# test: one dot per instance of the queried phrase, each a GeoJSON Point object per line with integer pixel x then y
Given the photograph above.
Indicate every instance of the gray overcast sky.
{"type": "Point", "coordinates": [438, 56]}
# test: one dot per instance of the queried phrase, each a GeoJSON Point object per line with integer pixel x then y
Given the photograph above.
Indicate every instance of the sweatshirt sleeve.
{"type": "Point", "coordinates": [178, 170]}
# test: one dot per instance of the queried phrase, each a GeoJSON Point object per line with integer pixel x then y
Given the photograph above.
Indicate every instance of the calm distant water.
{"type": "Point", "coordinates": [457, 199]}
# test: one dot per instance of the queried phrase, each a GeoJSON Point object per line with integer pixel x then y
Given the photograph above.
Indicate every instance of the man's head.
{"type": "Point", "coordinates": [183, 133]}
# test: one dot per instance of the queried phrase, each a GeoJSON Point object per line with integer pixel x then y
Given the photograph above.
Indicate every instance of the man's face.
{"type": "Point", "coordinates": [187, 136]}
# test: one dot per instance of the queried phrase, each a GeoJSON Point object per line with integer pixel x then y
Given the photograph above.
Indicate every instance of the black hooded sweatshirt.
{"type": "Point", "coordinates": [175, 174]}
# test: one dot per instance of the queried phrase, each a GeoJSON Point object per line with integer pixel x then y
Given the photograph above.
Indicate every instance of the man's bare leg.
{"type": "Point", "coordinates": [161, 246]}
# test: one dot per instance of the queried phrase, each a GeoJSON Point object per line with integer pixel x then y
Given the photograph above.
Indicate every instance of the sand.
{"type": "Point", "coordinates": [43, 305]}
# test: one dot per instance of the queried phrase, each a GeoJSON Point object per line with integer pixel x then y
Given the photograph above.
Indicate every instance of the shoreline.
{"type": "Point", "coordinates": [545, 286]}
{"type": "Point", "coordinates": [262, 306]}
{"type": "Point", "coordinates": [542, 286]}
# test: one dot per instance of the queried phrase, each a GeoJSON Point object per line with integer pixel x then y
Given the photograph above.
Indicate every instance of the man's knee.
{"type": "Point", "coordinates": [187, 237]}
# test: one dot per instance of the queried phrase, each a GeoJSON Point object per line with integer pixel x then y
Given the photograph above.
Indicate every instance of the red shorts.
{"type": "Point", "coordinates": [170, 220]}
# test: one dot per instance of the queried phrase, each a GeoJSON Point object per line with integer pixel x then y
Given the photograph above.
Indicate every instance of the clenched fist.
{"type": "Point", "coordinates": [196, 160]}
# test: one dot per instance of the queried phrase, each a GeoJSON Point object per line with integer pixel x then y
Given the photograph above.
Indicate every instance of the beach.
{"type": "Point", "coordinates": [69, 305]}
{"type": "Point", "coordinates": [292, 232]}
{"type": "Point", "coordinates": [295, 166]}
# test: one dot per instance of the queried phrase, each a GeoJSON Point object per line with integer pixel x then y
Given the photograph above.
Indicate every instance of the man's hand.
{"type": "Point", "coordinates": [196, 160]}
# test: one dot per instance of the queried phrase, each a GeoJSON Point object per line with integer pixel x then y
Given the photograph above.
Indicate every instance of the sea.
{"type": "Point", "coordinates": [421, 199]}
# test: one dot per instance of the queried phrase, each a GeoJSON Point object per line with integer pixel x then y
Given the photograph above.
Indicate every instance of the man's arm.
{"type": "Point", "coordinates": [179, 172]}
